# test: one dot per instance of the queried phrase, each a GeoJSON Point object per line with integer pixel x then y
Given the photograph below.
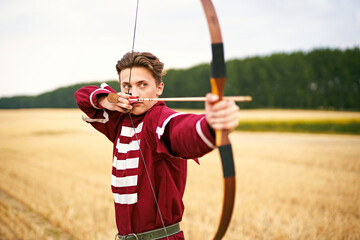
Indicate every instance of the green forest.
{"type": "Point", "coordinates": [319, 79]}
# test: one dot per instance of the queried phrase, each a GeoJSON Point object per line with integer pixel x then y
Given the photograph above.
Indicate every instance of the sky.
{"type": "Point", "coordinates": [46, 44]}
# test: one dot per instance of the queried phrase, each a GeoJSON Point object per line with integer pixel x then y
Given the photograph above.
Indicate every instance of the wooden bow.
{"type": "Point", "coordinates": [217, 80]}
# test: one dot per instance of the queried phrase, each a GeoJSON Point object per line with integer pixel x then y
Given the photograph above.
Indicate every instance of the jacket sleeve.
{"type": "Point", "coordinates": [103, 120]}
{"type": "Point", "coordinates": [189, 136]}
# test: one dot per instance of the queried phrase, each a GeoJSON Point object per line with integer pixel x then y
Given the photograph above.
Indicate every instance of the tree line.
{"type": "Point", "coordinates": [320, 79]}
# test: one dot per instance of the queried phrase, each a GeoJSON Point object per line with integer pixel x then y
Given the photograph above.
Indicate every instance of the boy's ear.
{"type": "Point", "coordinates": [160, 89]}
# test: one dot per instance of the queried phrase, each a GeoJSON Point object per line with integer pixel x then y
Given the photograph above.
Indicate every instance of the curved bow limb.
{"type": "Point", "coordinates": [217, 80]}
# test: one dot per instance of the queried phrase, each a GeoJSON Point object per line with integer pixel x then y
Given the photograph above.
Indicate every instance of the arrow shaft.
{"type": "Point", "coordinates": [193, 99]}
{"type": "Point", "coordinates": [113, 98]}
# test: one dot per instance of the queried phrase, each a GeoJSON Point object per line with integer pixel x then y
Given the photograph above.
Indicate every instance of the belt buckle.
{"type": "Point", "coordinates": [131, 235]}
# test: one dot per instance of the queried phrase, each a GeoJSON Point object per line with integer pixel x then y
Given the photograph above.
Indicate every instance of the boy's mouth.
{"type": "Point", "coordinates": [136, 104]}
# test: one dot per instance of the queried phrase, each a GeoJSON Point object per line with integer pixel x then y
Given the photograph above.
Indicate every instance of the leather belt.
{"type": "Point", "coordinates": [153, 234]}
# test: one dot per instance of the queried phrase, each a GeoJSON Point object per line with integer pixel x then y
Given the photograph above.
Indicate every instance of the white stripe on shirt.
{"type": "Point", "coordinates": [100, 120]}
{"type": "Point", "coordinates": [202, 135]}
{"type": "Point", "coordinates": [128, 181]}
{"type": "Point", "coordinates": [129, 131]}
{"type": "Point", "coordinates": [125, 147]}
{"type": "Point", "coordinates": [91, 96]}
{"type": "Point", "coordinates": [125, 198]}
{"type": "Point", "coordinates": [128, 163]}
{"type": "Point", "coordinates": [160, 130]}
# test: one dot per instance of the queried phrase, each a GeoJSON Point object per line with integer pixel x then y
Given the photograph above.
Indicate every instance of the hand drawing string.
{"type": "Point", "coordinates": [135, 133]}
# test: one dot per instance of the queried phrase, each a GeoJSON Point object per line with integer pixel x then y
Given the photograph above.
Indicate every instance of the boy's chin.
{"type": "Point", "coordinates": [138, 111]}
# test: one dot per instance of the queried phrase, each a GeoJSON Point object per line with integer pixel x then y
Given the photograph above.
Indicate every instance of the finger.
{"type": "Point", "coordinates": [225, 126]}
{"type": "Point", "coordinates": [224, 109]}
{"type": "Point", "coordinates": [227, 119]}
{"type": "Point", "coordinates": [123, 101]}
{"type": "Point", "coordinates": [125, 106]}
{"type": "Point", "coordinates": [124, 95]}
{"type": "Point", "coordinates": [119, 109]}
{"type": "Point", "coordinates": [212, 98]}
{"type": "Point", "coordinates": [222, 104]}
{"type": "Point", "coordinates": [229, 122]}
{"type": "Point", "coordinates": [123, 98]}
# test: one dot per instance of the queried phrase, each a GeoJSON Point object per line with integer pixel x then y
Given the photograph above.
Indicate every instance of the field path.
{"type": "Point", "coordinates": [17, 221]}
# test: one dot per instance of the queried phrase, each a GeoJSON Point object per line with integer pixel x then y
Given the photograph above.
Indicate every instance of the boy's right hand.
{"type": "Point", "coordinates": [122, 105]}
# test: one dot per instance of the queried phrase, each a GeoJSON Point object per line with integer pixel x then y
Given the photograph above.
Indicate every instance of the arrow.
{"type": "Point", "coordinates": [113, 98]}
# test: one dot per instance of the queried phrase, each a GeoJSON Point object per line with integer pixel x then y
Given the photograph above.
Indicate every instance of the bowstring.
{"type": "Point", "coordinates": [135, 133]}
{"type": "Point", "coordinates": [148, 176]}
{"type": "Point", "coordinates": [133, 43]}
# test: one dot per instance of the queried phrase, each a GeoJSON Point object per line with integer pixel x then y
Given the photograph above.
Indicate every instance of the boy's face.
{"type": "Point", "coordinates": [142, 84]}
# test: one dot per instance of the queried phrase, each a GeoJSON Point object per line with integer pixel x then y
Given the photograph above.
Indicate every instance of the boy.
{"type": "Point", "coordinates": [151, 145]}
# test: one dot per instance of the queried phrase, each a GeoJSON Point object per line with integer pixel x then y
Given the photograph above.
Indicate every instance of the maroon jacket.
{"type": "Point", "coordinates": [164, 139]}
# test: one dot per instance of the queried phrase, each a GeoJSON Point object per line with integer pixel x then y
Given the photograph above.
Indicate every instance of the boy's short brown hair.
{"type": "Point", "coordinates": [142, 59]}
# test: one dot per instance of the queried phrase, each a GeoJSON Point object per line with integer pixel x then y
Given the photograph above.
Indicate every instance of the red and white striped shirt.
{"type": "Point", "coordinates": [159, 140]}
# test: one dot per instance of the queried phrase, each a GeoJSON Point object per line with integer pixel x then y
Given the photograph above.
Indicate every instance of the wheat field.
{"type": "Point", "coordinates": [55, 182]}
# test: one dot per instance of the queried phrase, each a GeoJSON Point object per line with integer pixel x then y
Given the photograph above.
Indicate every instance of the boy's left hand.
{"type": "Point", "coordinates": [221, 115]}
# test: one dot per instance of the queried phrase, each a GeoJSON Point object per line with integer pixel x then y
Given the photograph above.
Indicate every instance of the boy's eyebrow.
{"type": "Point", "coordinates": [141, 81]}
{"type": "Point", "coordinates": [137, 82]}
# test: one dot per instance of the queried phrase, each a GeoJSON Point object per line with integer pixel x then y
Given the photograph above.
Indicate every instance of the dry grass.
{"type": "Point", "coordinates": [55, 177]}
{"type": "Point", "coordinates": [290, 186]}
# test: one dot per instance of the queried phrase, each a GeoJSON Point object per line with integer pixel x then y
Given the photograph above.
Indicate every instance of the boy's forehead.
{"type": "Point", "coordinates": [135, 75]}
{"type": "Point", "coordinates": [135, 80]}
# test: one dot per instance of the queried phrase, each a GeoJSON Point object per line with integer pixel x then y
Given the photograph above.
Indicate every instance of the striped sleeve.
{"type": "Point", "coordinates": [188, 136]}
{"type": "Point", "coordinates": [101, 119]}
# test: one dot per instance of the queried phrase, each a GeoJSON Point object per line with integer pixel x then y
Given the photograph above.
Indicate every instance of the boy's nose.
{"type": "Point", "coordinates": [133, 92]}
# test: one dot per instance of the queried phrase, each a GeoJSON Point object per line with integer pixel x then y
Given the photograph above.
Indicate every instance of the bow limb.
{"type": "Point", "coordinates": [217, 80]}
